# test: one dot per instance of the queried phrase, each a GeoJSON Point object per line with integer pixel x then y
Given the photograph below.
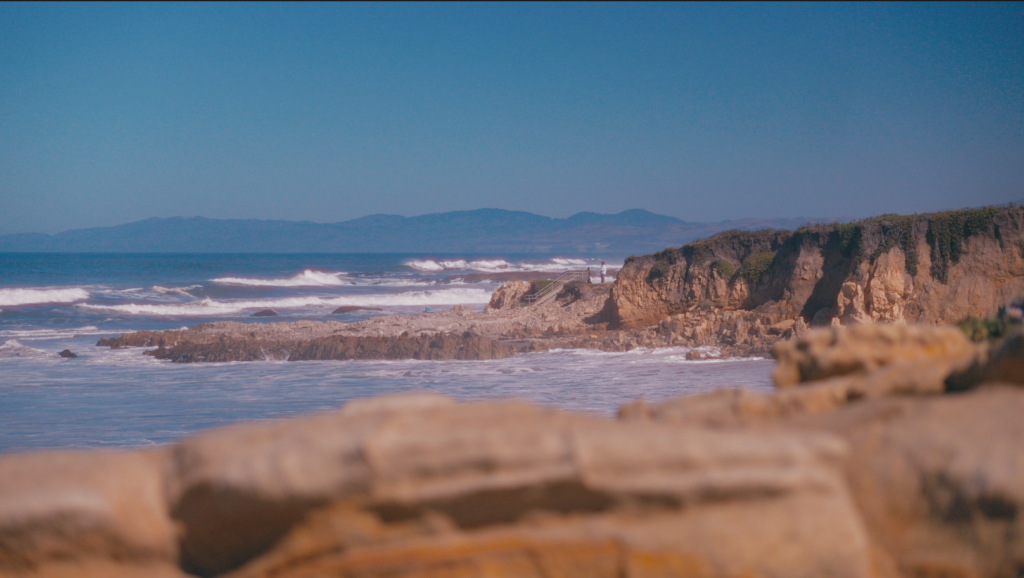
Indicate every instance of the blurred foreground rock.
{"type": "Point", "coordinates": [867, 464]}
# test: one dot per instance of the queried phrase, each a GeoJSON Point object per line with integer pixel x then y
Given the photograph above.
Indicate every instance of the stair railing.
{"type": "Point", "coordinates": [556, 285]}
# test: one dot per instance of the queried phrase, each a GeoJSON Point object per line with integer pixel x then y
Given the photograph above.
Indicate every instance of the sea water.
{"type": "Point", "coordinates": [121, 398]}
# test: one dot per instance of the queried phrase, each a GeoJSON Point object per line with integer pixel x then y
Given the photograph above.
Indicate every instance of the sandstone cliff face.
{"type": "Point", "coordinates": [935, 268]}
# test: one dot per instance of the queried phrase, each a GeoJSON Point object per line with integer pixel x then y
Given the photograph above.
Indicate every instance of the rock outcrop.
{"type": "Point", "coordinates": [508, 294]}
{"type": "Point", "coordinates": [417, 486]}
{"type": "Point", "coordinates": [304, 341]}
{"type": "Point", "coordinates": [934, 474]}
{"type": "Point", "coordinates": [904, 479]}
{"type": "Point", "coordinates": [933, 268]}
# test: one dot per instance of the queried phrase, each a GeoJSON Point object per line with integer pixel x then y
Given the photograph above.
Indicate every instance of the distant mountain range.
{"type": "Point", "coordinates": [480, 231]}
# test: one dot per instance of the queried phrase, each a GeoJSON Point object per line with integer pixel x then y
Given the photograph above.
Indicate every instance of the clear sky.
{"type": "Point", "coordinates": [111, 113]}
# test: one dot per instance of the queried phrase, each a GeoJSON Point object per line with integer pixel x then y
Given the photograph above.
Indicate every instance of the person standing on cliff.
{"type": "Point", "coordinates": [590, 276]}
{"type": "Point", "coordinates": [604, 271]}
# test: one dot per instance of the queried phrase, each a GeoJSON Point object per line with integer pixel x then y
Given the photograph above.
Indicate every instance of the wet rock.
{"type": "Point", "coordinates": [428, 347]}
{"type": "Point", "coordinates": [352, 308]}
{"type": "Point", "coordinates": [265, 313]}
{"type": "Point", "coordinates": [140, 339]}
{"type": "Point", "coordinates": [67, 353]}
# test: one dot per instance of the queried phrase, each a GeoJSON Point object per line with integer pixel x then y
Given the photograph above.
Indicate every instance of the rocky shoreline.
{"type": "Point", "coordinates": [739, 292]}
{"type": "Point", "coordinates": [577, 319]}
{"type": "Point", "coordinates": [886, 452]}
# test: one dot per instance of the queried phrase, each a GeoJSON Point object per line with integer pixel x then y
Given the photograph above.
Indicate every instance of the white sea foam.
{"type": "Point", "coordinates": [12, 348]}
{"type": "Point", "coordinates": [554, 265]}
{"type": "Point", "coordinates": [209, 307]}
{"type": "Point", "coordinates": [42, 295]}
{"type": "Point", "coordinates": [178, 290]}
{"type": "Point", "coordinates": [308, 278]}
{"type": "Point", "coordinates": [39, 334]}
{"type": "Point", "coordinates": [427, 265]}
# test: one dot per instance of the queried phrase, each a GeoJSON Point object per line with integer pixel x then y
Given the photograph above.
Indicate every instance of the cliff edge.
{"type": "Point", "coordinates": [929, 268]}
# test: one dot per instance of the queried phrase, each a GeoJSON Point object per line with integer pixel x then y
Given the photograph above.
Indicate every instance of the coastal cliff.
{"type": "Point", "coordinates": [743, 288]}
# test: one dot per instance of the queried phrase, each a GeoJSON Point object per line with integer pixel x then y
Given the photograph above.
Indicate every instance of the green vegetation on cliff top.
{"type": "Point", "coordinates": [863, 240]}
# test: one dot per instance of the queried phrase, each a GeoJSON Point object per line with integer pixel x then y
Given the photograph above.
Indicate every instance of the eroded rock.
{"type": "Point", "coordinates": [508, 294]}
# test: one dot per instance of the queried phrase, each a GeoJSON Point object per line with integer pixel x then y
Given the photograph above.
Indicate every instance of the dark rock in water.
{"type": "Point", "coordinates": [138, 339]}
{"type": "Point", "coordinates": [265, 313]}
{"type": "Point", "coordinates": [351, 308]}
{"type": "Point", "coordinates": [67, 353]}
{"type": "Point", "coordinates": [222, 350]}
{"type": "Point", "coordinates": [428, 347]}
{"type": "Point", "coordinates": [439, 347]}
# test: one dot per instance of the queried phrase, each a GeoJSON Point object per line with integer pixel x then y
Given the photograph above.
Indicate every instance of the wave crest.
{"type": "Point", "coordinates": [209, 307]}
{"type": "Point", "coordinates": [39, 296]}
{"type": "Point", "coordinates": [308, 278]}
{"type": "Point", "coordinates": [554, 265]}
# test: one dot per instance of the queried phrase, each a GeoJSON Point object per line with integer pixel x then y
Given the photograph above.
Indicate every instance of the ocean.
{"type": "Point", "coordinates": [120, 398]}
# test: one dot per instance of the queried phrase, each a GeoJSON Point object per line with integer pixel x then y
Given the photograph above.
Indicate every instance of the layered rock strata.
{"type": "Point", "coordinates": [934, 268]}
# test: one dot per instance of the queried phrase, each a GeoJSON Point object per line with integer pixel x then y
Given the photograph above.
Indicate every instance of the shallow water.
{"type": "Point", "coordinates": [120, 398]}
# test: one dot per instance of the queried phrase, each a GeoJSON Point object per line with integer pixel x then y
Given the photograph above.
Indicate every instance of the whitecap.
{"type": "Point", "coordinates": [38, 334]}
{"type": "Point", "coordinates": [178, 290]}
{"type": "Point", "coordinates": [307, 278]}
{"type": "Point", "coordinates": [209, 307]}
{"type": "Point", "coordinates": [427, 265]}
{"type": "Point", "coordinates": [12, 348]}
{"type": "Point", "coordinates": [42, 295]}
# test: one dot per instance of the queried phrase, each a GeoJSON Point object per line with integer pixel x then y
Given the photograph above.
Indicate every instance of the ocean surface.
{"type": "Point", "coordinates": [121, 398]}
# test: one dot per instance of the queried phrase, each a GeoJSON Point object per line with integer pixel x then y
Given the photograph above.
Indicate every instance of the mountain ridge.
{"type": "Point", "coordinates": [479, 231]}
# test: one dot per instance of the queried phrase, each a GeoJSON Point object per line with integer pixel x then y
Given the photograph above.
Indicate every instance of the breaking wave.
{"type": "Point", "coordinates": [210, 307]}
{"type": "Point", "coordinates": [431, 265]}
{"type": "Point", "coordinates": [36, 334]}
{"type": "Point", "coordinates": [11, 348]}
{"type": "Point", "coordinates": [37, 296]}
{"type": "Point", "coordinates": [308, 278]}
{"type": "Point", "coordinates": [556, 264]}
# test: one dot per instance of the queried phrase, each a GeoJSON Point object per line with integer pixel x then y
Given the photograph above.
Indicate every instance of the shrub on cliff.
{"type": "Point", "coordinates": [983, 329]}
{"type": "Point", "coordinates": [947, 232]}
{"type": "Point", "coordinates": [724, 268]}
{"type": "Point", "coordinates": [663, 260]}
{"type": "Point", "coordinates": [658, 270]}
{"type": "Point", "coordinates": [538, 285]}
{"type": "Point", "coordinates": [755, 266]}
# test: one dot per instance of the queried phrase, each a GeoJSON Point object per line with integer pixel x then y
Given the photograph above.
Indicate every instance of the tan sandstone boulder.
{"type": "Point", "coordinates": [861, 349]}
{"type": "Point", "coordinates": [85, 514]}
{"type": "Point", "coordinates": [508, 294]}
{"type": "Point", "coordinates": [419, 486]}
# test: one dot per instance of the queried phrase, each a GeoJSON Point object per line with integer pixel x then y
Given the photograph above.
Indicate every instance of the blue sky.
{"type": "Point", "coordinates": [111, 113]}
